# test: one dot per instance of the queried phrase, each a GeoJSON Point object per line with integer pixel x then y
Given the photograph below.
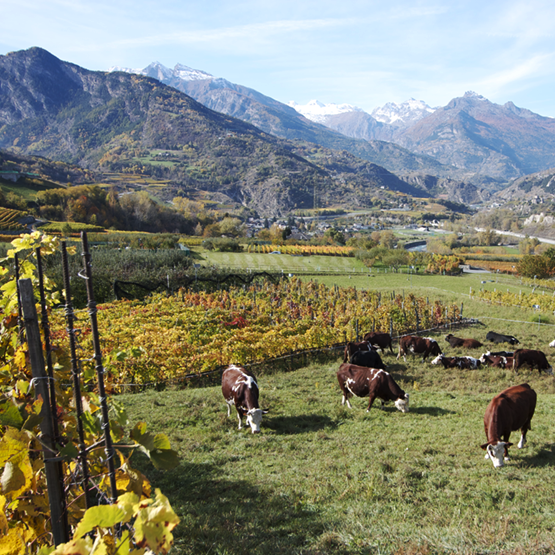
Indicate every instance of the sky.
{"type": "Point", "coordinates": [360, 52]}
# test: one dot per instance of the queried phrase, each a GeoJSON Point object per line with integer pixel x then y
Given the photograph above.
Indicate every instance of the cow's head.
{"type": "Point", "coordinates": [496, 452]}
{"type": "Point", "coordinates": [549, 371]}
{"type": "Point", "coordinates": [403, 403]}
{"type": "Point", "coordinates": [435, 348]}
{"type": "Point", "coordinates": [437, 360]}
{"type": "Point", "coordinates": [254, 419]}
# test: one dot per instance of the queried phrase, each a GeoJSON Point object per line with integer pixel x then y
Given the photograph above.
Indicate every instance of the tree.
{"type": "Point", "coordinates": [534, 265]}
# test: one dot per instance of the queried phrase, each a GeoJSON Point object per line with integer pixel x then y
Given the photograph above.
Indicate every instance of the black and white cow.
{"type": "Point", "coordinates": [362, 381]}
{"type": "Point", "coordinates": [239, 388]}
{"type": "Point", "coordinates": [500, 338]}
{"type": "Point", "coordinates": [370, 359]}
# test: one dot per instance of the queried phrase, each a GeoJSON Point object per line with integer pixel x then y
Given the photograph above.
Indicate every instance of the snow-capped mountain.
{"type": "Point", "coordinates": [162, 73]}
{"type": "Point", "coordinates": [404, 114]}
{"type": "Point", "coordinates": [319, 112]}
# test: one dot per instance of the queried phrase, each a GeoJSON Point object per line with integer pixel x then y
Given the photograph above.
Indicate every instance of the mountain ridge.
{"type": "Point", "coordinates": [132, 123]}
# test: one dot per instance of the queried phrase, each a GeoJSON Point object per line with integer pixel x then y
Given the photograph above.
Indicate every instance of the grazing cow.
{"type": "Point", "coordinates": [370, 359]}
{"type": "Point", "coordinates": [362, 381]}
{"type": "Point", "coordinates": [240, 389]}
{"type": "Point", "coordinates": [424, 346]}
{"type": "Point", "coordinates": [532, 359]}
{"type": "Point", "coordinates": [353, 347]}
{"type": "Point", "coordinates": [507, 412]}
{"type": "Point", "coordinates": [457, 362]}
{"type": "Point", "coordinates": [495, 361]}
{"type": "Point", "coordinates": [459, 342]}
{"type": "Point", "coordinates": [379, 339]}
{"type": "Point", "coordinates": [500, 338]}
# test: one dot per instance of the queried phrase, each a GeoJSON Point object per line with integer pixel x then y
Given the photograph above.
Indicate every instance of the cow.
{"type": "Point", "coordinates": [239, 388]}
{"type": "Point", "coordinates": [353, 347]}
{"type": "Point", "coordinates": [362, 381]}
{"type": "Point", "coordinates": [532, 359]}
{"type": "Point", "coordinates": [552, 344]}
{"type": "Point", "coordinates": [447, 362]}
{"type": "Point", "coordinates": [457, 362]}
{"type": "Point", "coordinates": [507, 412]}
{"type": "Point", "coordinates": [495, 361]}
{"type": "Point", "coordinates": [370, 359]}
{"type": "Point", "coordinates": [500, 338]}
{"type": "Point", "coordinates": [424, 346]}
{"type": "Point", "coordinates": [379, 339]}
{"type": "Point", "coordinates": [459, 342]}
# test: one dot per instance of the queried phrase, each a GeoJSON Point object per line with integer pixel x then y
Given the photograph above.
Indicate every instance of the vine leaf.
{"type": "Point", "coordinates": [155, 446]}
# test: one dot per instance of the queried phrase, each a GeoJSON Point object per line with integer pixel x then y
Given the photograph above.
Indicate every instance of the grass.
{"type": "Point", "coordinates": [321, 478]}
{"type": "Point", "coordinates": [285, 262]}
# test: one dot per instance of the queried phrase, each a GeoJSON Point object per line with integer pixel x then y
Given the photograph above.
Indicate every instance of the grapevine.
{"type": "Point", "coordinates": [137, 521]}
{"type": "Point", "coordinates": [164, 338]}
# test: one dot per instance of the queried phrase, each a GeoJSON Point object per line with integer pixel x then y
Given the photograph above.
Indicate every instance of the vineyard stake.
{"type": "Point", "coordinates": [54, 478]}
{"type": "Point", "coordinates": [20, 324]}
{"type": "Point", "coordinates": [51, 388]}
{"type": "Point", "coordinates": [91, 305]}
{"type": "Point", "coordinates": [75, 374]}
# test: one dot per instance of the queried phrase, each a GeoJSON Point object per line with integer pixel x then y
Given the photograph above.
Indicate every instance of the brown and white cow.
{"type": "Point", "coordinates": [379, 339]}
{"type": "Point", "coordinates": [494, 361]}
{"type": "Point", "coordinates": [239, 388]}
{"type": "Point", "coordinates": [353, 347]}
{"type": "Point", "coordinates": [532, 359]}
{"type": "Point", "coordinates": [362, 381]}
{"type": "Point", "coordinates": [460, 342]}
{"type": "Point", "coordinates": [416, 345]}
{"type": "Point", "coordinates": [457, 362]}
{"type": "Point", "coordinates": [507, 412]}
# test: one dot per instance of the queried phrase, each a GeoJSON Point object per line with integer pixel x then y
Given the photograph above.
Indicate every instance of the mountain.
{"type": "Point", "coordinates": [536, 187]}
{"type": "Point", "coordinates": [124, 122]}
{"type": "Point", "coordinates": [503, 142]}
{"type": "Point", "coordinates": [285, 121]}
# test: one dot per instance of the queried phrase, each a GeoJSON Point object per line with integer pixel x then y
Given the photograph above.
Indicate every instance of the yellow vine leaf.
{"type": "Point", "coordinates": [12, 544]}
{"type": "Point", "coordinates": [3, 519]}
{"type": "Point", "coordinates": [81, 546]}
{"type": "Point", "coordinates": [154, 524]}
{"type": "Point", "coordinates": [104, 516]}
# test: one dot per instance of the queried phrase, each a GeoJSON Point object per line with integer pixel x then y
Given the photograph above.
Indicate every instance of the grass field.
{"type": "Point", "coordinates": [321, 478]}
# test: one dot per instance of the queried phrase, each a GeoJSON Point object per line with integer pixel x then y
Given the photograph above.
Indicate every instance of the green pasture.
{"type": "Point", "coordinates": [321, 478]}
{"type": "Point", "coordinates": [285, 263]}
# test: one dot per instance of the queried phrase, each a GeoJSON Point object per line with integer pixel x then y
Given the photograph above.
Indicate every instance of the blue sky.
{"type": "Point", "coordinates": [363, 52]}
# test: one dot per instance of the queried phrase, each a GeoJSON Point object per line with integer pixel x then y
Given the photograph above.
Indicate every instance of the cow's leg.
{"type": "Point", "coordinates": [371, 401]}
{"type": "Point", "coordinates": [522, 441]}
{"type": "Point", "coordinates": [228, 409]}
{"type": "Point", "coordinates": [345, 399]}
{"type": "Point", "coordinates": [240, 420]}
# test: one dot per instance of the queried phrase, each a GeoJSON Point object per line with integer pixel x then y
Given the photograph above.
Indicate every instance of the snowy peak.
{"type": "Point", "coordinates": [162, 73]}
{"type": "Point", "coordinates": [190, 74]}
{"type": "Point", "coordinates": [318, 111]}
{"type": "Point", "coordinates": [403, 114]}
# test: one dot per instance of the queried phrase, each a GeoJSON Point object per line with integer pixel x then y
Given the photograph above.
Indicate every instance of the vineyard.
{"type": "Point", "coordinates": [539, 301]}
{"type": "Point", "coordinates": [9, 219]}
{"type": "Point", "coordinates": [305, 250]}
{"type": "Point", "coordinates": [165, 338]}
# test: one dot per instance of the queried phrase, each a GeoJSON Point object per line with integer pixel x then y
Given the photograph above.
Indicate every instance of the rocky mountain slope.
{"type": "Point", "coordinates": [131, 123]}
{"type": "Point", "coordinates": [285, 121]}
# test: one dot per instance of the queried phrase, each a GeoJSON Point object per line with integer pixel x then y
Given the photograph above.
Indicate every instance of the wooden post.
{"type": "Point", "coordinates": [54, 478]}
